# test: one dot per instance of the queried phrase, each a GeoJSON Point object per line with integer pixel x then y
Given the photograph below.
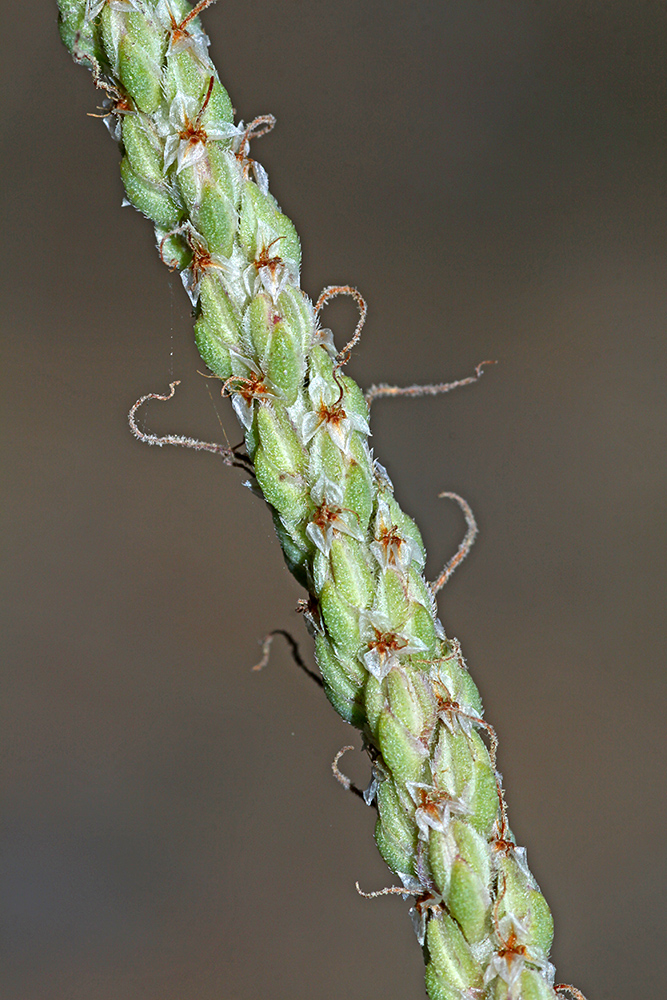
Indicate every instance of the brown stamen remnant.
{"type": "Point", "coordinates": [428, 903]}
{"type": "Point", "coordinates": [119, 101]}
{"type": "Point", "coordinates": [387, 642]}
{"type": "Point", "coordinates": [333, 415]}
{"type": "Point", "coordinates": [512, 949]}
{"type": "Point", "coordinates": [252, 387]}
{"type": "Point", "coordinates": [451, 707]}
{"type": "Point", "coordinates": [326, 515]}
{"type": "Point", "coordinates": [119, 104]}
{"type": "Point", "coordinates": [201, 261]}
{"type": "Point", "coordinates": [390, 538]}
{"type": "Point", "coordinates": [429, 802]}
{"type": "Point", "coordinates": [264, 259]}
{"type": "Point", "coordinates": [194, 133]}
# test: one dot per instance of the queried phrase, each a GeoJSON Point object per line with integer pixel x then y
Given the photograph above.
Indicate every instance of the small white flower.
{"type": "Point", "coordinates": [269, 270]}
{"type": "Point", "coordinates": [245, 386]}
{"type": "Point", "coordinates": [434, 809]}
{"type": "Point", "coordinates": [184, 135]}
{"type": "Point", "coordinates": [190, 38]}
{"type": "Point", "coordinates": [329, 414]}
{"type": "Point", "coordinates": [509, 961]}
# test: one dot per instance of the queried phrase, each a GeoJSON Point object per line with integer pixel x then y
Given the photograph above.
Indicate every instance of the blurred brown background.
{"type": "Point", "coordinates": [491, 175]}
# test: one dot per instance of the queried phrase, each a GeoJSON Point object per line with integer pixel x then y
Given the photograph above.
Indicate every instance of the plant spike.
{"type": "Point", "coordinates": [386, 665]}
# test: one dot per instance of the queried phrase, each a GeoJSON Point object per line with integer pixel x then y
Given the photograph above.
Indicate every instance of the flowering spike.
{"type": "Point", "coordinates": [386, 665]}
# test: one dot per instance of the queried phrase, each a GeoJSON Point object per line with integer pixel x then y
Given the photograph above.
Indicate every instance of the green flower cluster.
{"type": "Point", "coordinates": [388, 668]}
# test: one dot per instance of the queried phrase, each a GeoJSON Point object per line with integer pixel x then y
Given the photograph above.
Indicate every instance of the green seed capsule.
{"type": "Point", "coordinates": [279, 441]}
{"type": "Point", "coordinates": [452, 966]}
{"type": "Point", "coordinates": [526, 904]}
{"type": "Point", "coordinates": [351, 574]}
{"type": "Point", "coordinates": [142, 148]}
{"type": "Point", "coordinates": [286, 494]}
{"type": "Point", "coordinates": [224, 170]}
{"type": "Point", "coordinates": [297, 312]}
{"type": "Point", "coordinates": [140, 74]}
{"type": "Point", "coordinates": [341, 620]}
{"type": "Point", "coordinates": [258, 323]}
{"type": "Point", "coordinates": [212, 348]}
{"type": "Point", "coordinates": [395, 832]}
{"type": "Point", "coordinates": [216, 220]}
{"type": "Point", "coordinates": [459, 683]}
{"type": "Point", "coordinates": [358, 493]}
{"type": "Point", "coordinates": [354, 399]}
{"type": "Point", "coordinates": [391, 599]}
{"type": "Point", "coordinates": [345, 696]}
{"type": "Point", "coordinates": [534, 987]}
{"type": "Point", "coordinates": [403, 701]}
{"type": "Point", "coordinates": [185, 76]}
{"type": "Point", "coordinates": [152, 200]}
{"type": "Point", "coordinates": [468, 902]}
{"type": "Point", "coordinates": [375, 701]}
{"type": "Point", "coordinates": [217, 308]}
{"type": "Point", "coordinates": [404, 754]}
{"type": "Point", "coordinates": [295, 546]}
{"type": "Point", "coordinates": [468, 897]}
{"type": "Point", "coordinates": [284, 364]}
{"type": "Point", "coordinates": [325, 459]}
{"type": "Point", "coordinates": [420, 629]}
{"type": "Point", "coordinates": [257, 217]}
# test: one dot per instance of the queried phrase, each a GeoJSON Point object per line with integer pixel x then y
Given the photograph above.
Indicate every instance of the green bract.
{"type": "Point", "coordinates": [388, 668]}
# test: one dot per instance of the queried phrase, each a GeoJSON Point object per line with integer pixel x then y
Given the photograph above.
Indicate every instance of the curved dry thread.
{"type": "Point", "coordinates": [253, 131]}
{"type": "Point", "coordinates": [343, 779]}
{"type": "Point", "coordinates": [178, 440]}
{"type": "Point", "coordinates": [562, 988]}
{"type": "Point", "coordinates": [331, 292]}
{"type": "Point", "coordinates": [195, 12]}
{"type": "Point", "coordinates": [464, 548]}
{"type": "Point", "coordinates": [436, 389]}
{"type": "Point", "coordinates": [267, 642]}
{"type": "Point", "coordinates": [391, 890]}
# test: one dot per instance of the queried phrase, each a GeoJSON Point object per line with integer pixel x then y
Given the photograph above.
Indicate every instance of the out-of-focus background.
{"type": "Point", "coordinates": [491, 175]}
